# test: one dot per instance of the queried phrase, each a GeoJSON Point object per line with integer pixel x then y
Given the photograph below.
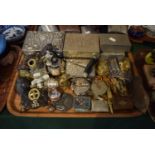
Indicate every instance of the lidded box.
{"type": "Point", "coordinates": [114, 43]}
{"type": "Point", "coordinates": [35, 41]}
{"type": "Point", "coordinates": [81, 45]}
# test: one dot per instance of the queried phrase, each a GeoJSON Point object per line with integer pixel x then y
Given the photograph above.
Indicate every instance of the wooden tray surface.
{"type": "Point", "coordinates": [14, 101]}
{"type": "Point", "coordinates": [6, 76]}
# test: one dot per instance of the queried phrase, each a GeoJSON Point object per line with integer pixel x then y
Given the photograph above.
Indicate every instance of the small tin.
{"type": "Point", "coordinates": [76, 67]}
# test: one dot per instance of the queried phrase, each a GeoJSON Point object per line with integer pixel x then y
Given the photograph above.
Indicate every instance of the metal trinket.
{"type": "Point", "coordinates": [65, 103]}
{"type": "Point", "coordinates": [80, 86]}
{"type": "Point", "coordinates": [34, 95]}
{"type": "Point", "coordinates": [54, 95]}
{"type": "Point", "coordinates": [82, 103]}
{"type": "Point", "coordinates": [98, 88]}
{"type": "Point", "coordinates": [81, 46]}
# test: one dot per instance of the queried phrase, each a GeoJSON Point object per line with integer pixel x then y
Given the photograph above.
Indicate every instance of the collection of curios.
{"type": "Point", "coordinates": [70, 73]}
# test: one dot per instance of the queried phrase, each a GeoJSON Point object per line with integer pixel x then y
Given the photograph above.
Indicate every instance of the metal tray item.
{"type": "Point", "coordinates": [99, 106]}
{"type": "Point", "coordinates": [81, 46]}
{"type": "Point", "coordinates": [35, 41]}
{"type": "Point", "coordinates": [76, 67]}
{"type": "Point", "coordinates": [114, 43]}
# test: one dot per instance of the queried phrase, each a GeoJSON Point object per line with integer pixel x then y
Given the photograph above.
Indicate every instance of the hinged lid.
{"type": "Point", "coordinates": [81, 45]}
{"type": "Point", "coordinates": [35, 41]}
{"type": "Point", "coordinates": [114, 42]}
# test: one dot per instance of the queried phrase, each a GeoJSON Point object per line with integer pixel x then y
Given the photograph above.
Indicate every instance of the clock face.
{"type": "Point", "coordinates": [13, 32]}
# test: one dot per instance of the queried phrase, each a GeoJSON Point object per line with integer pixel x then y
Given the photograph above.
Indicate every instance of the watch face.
{"type": "Point", "coordinates": [12, 32]}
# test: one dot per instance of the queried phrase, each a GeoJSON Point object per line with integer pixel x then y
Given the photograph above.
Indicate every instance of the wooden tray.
{"type": "Point", "coordinates": [14, 101]}
{"type": "Point", "coordinates": [7, 74]}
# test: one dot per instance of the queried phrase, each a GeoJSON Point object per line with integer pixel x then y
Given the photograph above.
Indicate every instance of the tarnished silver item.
{"type": "Point", "coordinates": [80, 86]}
{"type": "Point", "coordinates": [114, 43]}
{"type": "Point", "coordinates": [35, 41]}
{"type": "Point", "coordinates": [76, 67]}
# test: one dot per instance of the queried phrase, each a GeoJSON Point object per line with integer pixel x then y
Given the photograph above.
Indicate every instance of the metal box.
{"type": "Point", "coordinates": [76, 67]}
{"type": "Point", "coordinates": [114, 43]}
{"type": "Point", "coordinates": [35, 41]}
{"type": "Point", "coordinates": [81, 45]}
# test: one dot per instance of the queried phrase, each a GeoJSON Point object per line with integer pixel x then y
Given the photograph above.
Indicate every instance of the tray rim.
{"type": "Point", "coordinates": [17, 61]}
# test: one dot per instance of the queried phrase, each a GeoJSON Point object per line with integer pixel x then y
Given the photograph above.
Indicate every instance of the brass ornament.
{"type": "Point", "coordinates": [34, 94]}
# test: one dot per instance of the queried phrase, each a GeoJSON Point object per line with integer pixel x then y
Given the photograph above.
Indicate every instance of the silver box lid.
{"type": "Point", "coordinates": [35, 41]}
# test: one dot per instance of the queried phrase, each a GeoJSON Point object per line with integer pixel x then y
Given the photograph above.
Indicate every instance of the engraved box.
{"type": "Point", "coordinates": [81, 45]}
{"type": "Point", "coordinates": [110, 43]}
{"type": "Point", "coordinates": [35, 41]}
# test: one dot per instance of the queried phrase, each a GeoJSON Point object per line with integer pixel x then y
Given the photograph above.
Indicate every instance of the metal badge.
{"type": "Point", "coordinates": [80, 86]}
{"type": "Point", "coordinates": [82, 104]}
